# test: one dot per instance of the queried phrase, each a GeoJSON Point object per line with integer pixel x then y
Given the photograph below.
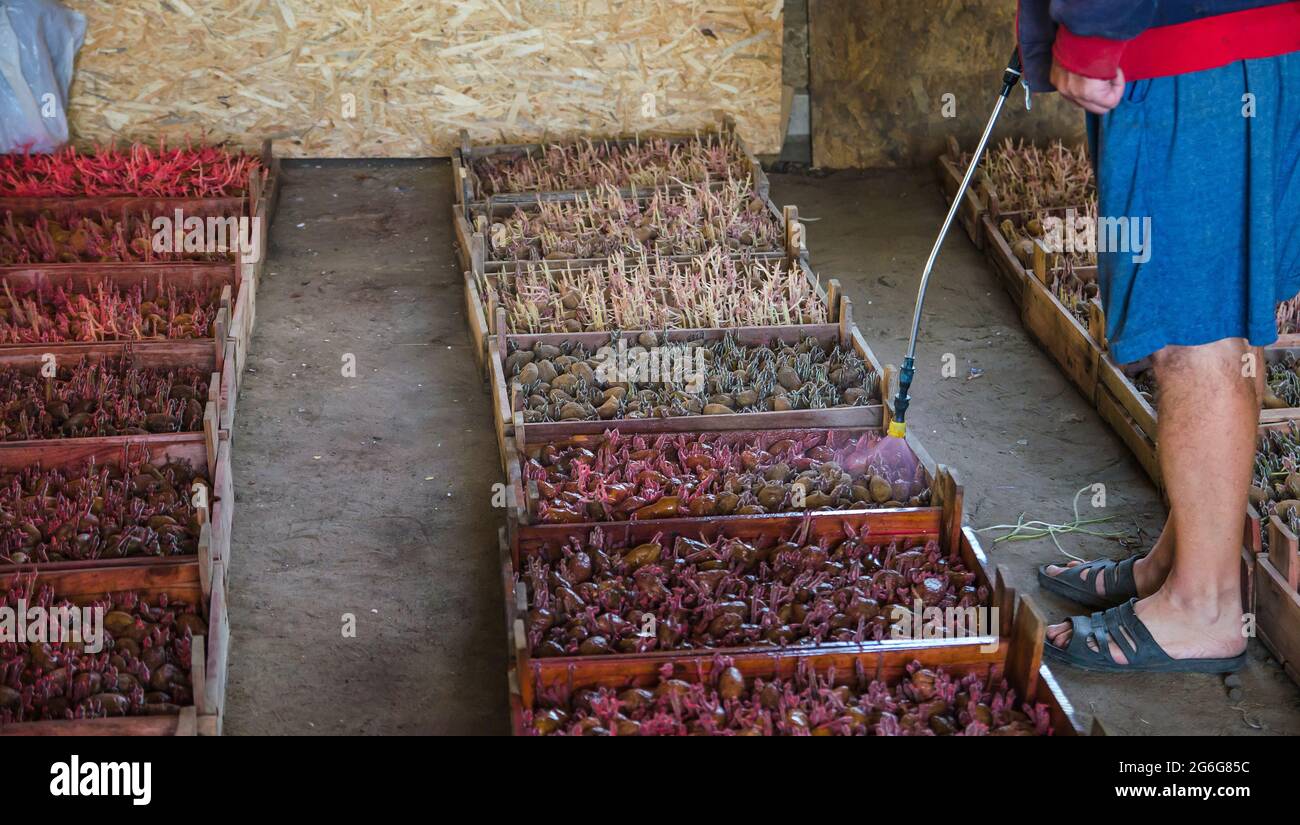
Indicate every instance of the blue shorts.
{"type": "Point", "coordinates": [1220, 194]}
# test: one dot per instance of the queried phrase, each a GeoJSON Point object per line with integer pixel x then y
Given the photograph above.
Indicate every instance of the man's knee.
{"type": "Point", "coordinates": [1216, 362]}
{"type": "Point", "coordinates": [1228, 352]}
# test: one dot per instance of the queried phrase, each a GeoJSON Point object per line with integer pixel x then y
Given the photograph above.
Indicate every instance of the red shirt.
{"type": "Point", "coordinates": [1193, 46]}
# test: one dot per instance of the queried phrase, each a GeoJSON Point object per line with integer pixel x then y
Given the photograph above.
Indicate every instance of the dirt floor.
{"type": "Point", "coordinates": [371, 496]}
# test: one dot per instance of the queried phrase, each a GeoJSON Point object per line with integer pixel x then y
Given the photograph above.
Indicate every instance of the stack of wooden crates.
{"type": "Point", "coordinates": [199, 579]}
{"type": "Point", "coordinates": [1015, 647]}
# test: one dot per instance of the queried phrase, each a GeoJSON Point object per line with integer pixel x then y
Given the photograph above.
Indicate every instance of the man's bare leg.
{"type": "Point", "coordinates": [1209, 409]}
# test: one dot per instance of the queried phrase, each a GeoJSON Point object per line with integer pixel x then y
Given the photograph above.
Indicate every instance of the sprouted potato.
{"type": "Point", "coordinates": [98, 511]}
{"type": "Point", "coordinates": [105, 399]}
{"type": "Point", "coordinates": [688, 221]}
{"type": "Point", "coordinates": [106, 312]}
{"type": "Point", "coordinates": [143, 670]}
{"type": "Point", "coordinates": [1275, 488]}
{"type": "Point", "coordinates": [574, 383]}
{"type": "Point", "coordinates": [1288, 317]}
{"type": "Point", "coordinates": [921, 702]}
{"type": "Point", "coordinates": [641, 292]}
{"type": "Point", "coordinates": [593, 597]}
{"type": "Point", "coordinates": [1065, 267]}
{"type": "Point", "coordinates": [1281, 388]}
{"type": "Point", "coordinates": [588, 164]}
{"type": "Point", "coordinates": [715, 474]}
{"type": "Point", "coordinates": [103, 238]}
{"type": "Point", "coordinates": [193, 172]}
{"type": "Point", "coordinates": [1025, 176]}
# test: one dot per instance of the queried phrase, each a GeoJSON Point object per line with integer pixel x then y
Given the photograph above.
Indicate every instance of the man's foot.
{"type": "Point", "coordinates": [1182, 630]}
{"type": "Point", "coordinates": [1149, 573]}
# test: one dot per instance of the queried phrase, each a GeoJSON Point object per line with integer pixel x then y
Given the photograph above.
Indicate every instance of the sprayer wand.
{"type": "Point", "coordinates": [898, 426]}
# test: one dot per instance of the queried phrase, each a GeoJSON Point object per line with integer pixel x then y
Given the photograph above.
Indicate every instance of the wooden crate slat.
{"type": "Point", "coordinates": [1277, 602]}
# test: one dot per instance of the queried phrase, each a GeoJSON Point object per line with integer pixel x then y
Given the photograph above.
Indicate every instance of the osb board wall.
{"type": "Point", "coordinates": [880, 69]}
{"type": "Point", "coordinates": [417, 72]}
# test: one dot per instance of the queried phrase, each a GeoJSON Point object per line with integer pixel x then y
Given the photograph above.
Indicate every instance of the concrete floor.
{"type": "Point", "coordinates": [371, 496]}
{"type": "Point", "coordinates": [367, 495]}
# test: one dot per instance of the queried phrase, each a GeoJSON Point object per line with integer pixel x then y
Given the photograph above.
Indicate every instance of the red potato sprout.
{"type": "Point", "coordinates": [98, 511]}
{"type": "Point", "coordinates": [101, 239]}
{"type": "Point", "coordinates": [191, 171]}
{"type": "Point", "coordinates": [106, 312]}
{"type": "Point", "coordinates": [720, 474]}
{"type": "Point", "coordinates": [722, 702]}
{"type": "Point", "coordinates": [105, 399]}
{"type": "Point", "coordinates": [598, 597]}
{"type": "Point", "coordinates": [142, 670]}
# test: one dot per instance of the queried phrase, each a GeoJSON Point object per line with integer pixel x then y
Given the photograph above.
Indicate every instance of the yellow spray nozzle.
{"type": "Point", "coordinates": [897, 429]}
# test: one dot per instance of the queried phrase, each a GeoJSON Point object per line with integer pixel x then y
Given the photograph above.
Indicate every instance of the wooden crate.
{"type": "Point", "coordinates": [482, 309]}
{"type": "Point", "coordinates": [949, 172]}
{"type": "Point", "coordinates": [241, 278]}
{"type": "Point", "coordinates": [264, 201]}
{"type": "Point", "coordinates": [1017, 657]}
{"type": "Point", "coordinates": [942, 516]}
{"type": "Point", "coordinates": [1253, 546]}
{"type": "Point", "coordinates": [216, 521]}
{"type": "Point", "coordinates": [1068, 341]}
{"type": "Point", "coordinates": [1277, 597]}
{"type": "Point", "coordinates": [31, 359]}
{"type": "Point", "coordinates": [845, 333]}
{"type": "Point", "coordinates": [826, 525]}
{"type": "Point", "coordinates": [208, 653]}
{"type": "Point", "coordinates": [472, 248]}
{"type": "Point", "coordinates": [200, 355]}
{"type": "Point", "coordinates": [1014, 273]}
{"type": "Point", "coordinates": [1065, 339]}
{"type": "Point", "coordinates": [208, 354]}
{"type": "Point", "coordinates": [469, 189]}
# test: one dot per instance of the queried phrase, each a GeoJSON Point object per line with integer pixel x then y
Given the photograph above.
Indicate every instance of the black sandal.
{"type": "Point", "coordinates": [1120, 625]}
{"type": "Point", "coordinates": [1117, 580]}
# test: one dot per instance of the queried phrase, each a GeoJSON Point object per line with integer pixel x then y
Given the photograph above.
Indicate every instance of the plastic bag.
{"type": "Point", "coordinates": [39, 40]}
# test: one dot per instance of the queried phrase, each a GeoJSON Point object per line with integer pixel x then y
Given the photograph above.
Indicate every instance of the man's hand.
{"type": "Point", "coordinates": [1097, 96]}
